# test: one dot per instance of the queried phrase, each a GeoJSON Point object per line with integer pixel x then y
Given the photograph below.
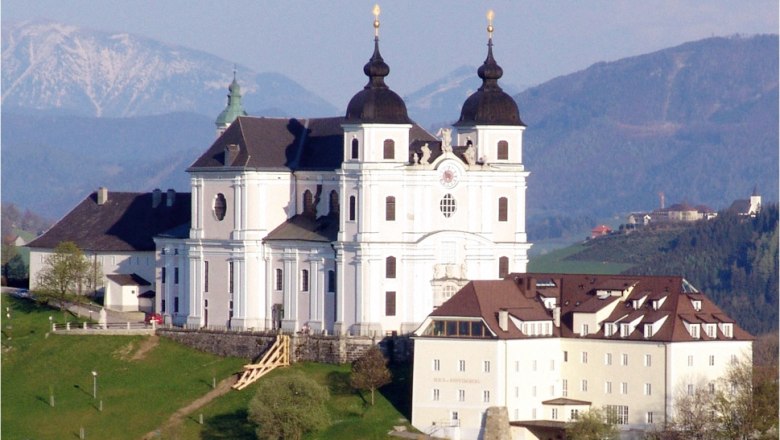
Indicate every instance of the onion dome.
{"type": "Point", "coordinates": [376, 103]}
{"type": "Point", "coordinates": [234, 109]}
{"type": "Point", "coordinates": [490, 105]}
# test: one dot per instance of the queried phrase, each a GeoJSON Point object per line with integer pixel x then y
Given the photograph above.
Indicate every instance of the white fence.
{"type": "Point", "coordinates": [116, 328]}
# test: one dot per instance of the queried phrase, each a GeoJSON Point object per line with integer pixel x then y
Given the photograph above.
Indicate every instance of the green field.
{"type": "Point", "coordinates": [139, 395]}
{"type": "Point", "coordinates": [556, 262]}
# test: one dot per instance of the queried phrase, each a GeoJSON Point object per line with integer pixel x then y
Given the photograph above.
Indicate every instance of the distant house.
{"type": "Point", "coordinates": [599, 231]}
{"type": "Point", "coordinates": [115, 231]}
{"type": "Point", "coordinates": [677, 213]}
{"type": "Point", "coordinates": [550, 346]}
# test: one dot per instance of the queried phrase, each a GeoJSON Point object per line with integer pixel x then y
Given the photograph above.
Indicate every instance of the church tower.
{"type": "Point", "coordinates": [233, 110]}
{"type": "Point", "coordinates": [491, 128]}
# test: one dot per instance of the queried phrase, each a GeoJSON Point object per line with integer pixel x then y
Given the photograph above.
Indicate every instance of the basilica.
{"type": "Point", "coordinates": [356, 224]}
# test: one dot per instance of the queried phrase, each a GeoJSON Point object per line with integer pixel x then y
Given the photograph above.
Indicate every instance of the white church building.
{"type": "Point", "coordinates": [355, 224]}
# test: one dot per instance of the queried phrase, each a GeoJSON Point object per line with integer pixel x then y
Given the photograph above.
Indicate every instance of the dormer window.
{"type": "Point", "coordinates": [625, 330]}
{"type": "Point", "coordinates": [696, 305]}
{"type": "Point", "coordinates": [728, 330]}
{"type": "Point", "coordinates": [609, 329]}
{"type": "Point", "coordinates": [711, 330]}
{"type": "Point", "coordinates": [695, 330]}
{"type": "Point", "coordinates": [648, 330]}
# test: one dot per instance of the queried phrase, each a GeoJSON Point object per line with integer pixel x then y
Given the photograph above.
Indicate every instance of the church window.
{"type": "Point", "coordinates": [230, 277]}
{"type": "Point", "coordinates": [279, 279]}
{"type": "Point", "coordinates": [390, 208]}
{"type": "Point", "coordinates": [175, 275]}
{"type": "Point", "coordinates": [503, 267]}
{"type": "Point", "coordinates": [334, 202]}
{"type": "Point", "coordinates": [205, 276]}
{"type": "Point", "coordinates": [447, 205]}
{"type": "Point", "coordinates": [352, 208]}
{"type": "Point", "coordinates": [502, 209]}
{"type": "Point", "coordinates": [305, 280]}
{"type": "Point", "coordinates": [162, 275]}
{"type": "Point", "coordinates": [355, 144]}
{"type": "Point", "coordinates": [175, 304]}
{"type": "Point", "coordinates": [448, 290]}
{"type": "Point", "coordinates": [390, 267]}
{"type": "Point", "coordinates": [389, 303]}
{"type": "Point", "coordinates": [389, 149]}
{"type": "Point", "coordinates": [308, 203]}
{"type": "Point", "coordinates": [331, 281]}
{"type": "Point", "coordinates": [220, 206]}
{"type": "Point", "coordinates": [503, 150]}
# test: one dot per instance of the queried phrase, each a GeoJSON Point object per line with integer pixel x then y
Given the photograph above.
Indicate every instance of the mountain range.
{"type": "Point", "coordinates": [698, 122]}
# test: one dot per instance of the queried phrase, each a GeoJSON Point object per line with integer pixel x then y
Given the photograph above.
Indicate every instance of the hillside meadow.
{"type": "Point", "coordinates": [142, 381]}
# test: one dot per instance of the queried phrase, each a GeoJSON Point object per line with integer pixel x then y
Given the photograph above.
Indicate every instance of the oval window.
{"type": "Point", "coordinates": [220, 206]}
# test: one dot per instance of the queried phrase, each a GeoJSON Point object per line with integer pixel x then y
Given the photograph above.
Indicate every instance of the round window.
{"type": "Point", "coordinates": [220, 206]}
{"type": "Point", "coordinates": [447, 205]}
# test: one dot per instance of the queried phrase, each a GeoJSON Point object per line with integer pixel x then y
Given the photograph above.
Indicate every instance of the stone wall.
{"type": "Point", "coordinates": [311, 348]}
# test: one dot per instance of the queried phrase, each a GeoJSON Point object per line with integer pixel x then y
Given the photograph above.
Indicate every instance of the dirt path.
{"type": "Point", "coordinates": [176, 419]}
{"type": "Point", "coordinates": [146, 346]}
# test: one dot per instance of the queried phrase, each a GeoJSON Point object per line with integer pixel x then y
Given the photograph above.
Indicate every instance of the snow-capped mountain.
{"type": "Point", "coordinates": [49, 66]}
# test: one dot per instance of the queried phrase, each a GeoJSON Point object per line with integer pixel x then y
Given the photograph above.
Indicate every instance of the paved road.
{"type": "Point", "coordinates": [91, 311]}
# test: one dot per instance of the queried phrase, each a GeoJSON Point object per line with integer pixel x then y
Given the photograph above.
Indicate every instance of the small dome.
{"type": "Point", "coordinates": [234, 108]}
{"type": "Point", "coordinates": [376, 103]}
{"type": "Point", "coordinates": [490, 105]}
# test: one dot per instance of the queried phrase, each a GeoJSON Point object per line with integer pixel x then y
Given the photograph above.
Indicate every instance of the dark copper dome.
{"type": "Point", "coordinates": [490, 105]}
{"type": "Point", "coordinates": [376, 103]}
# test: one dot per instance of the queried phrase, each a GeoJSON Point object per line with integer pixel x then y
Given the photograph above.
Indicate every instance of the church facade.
{"type": "Point", "coordinates": [356, 224]}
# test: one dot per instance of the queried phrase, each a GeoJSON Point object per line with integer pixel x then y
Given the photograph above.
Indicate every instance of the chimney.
{"type": "Point", "coordinates": [503, 320]}
{"type": "Point", "coordinates": [156, 197]}
{"type": "Point", "coordinates": [557, 316]}
{"type": "Point", "coordinates": [102, 195]}
{"type": "Point", "coordinates": [170, 197]}
{"type": "Point", "coordinates": [231, 152]}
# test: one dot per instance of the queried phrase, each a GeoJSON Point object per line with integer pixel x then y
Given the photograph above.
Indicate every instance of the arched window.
{"type": "Point", "coordinates": [305, 280]}
{"type": "Point", "coordinates": [355, 144]}
{"type": "Point", "coordinates": [390, 208]}
{"type": "Point", "coordinates": [334, 202]}
{"type": "Point", "coordinates": [308, 203]}
{"type": "Point", "coordinates": [447, 205]}
{"type": "Point", "coordinates": [390, 267]}
{"type": "Point", "coordinates": [503, 150]}
{"type": "Point", "coordinates": [389, 151]}
{"type": "Point", "coordinates": [220, 206]}
{"type": "Point", "coordinates": [502, 209]}
{"type": "Point", "coordinates": [503, 267]}
{"type": "Point", "coordinates": [352, 208]}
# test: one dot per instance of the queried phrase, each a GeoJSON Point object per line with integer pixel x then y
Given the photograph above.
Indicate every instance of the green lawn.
{"type": "Point", "coordinates": [140, 395]}
{"type": "Point", "coordinates": [556, 262]}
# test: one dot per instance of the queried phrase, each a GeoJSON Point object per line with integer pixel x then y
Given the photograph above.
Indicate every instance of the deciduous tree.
{"type": "Point", "coordinates": [287, 407]}
{"type": "Point", "coordinates": [370, 372]}
{"type": "Point", "coordinates": [66, 272]}
{"type": "Point", "coordinates": [591, 425]}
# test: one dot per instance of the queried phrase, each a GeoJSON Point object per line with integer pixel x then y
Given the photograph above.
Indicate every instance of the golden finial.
{"type": "Point", "coordinates": [376, 20]}
{"type": "Point", "coordinates": [490, 15]}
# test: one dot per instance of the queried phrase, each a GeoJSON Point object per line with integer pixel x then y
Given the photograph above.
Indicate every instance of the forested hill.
{"type": "Point", "coordinates": [733, 259]}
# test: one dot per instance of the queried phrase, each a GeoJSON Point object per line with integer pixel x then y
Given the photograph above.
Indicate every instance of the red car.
{"type": "Point", "coordinates": [154, 317]}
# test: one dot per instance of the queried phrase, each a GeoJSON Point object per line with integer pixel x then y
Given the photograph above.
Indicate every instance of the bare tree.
{"type": "Point", "coordinates": [370, 372]}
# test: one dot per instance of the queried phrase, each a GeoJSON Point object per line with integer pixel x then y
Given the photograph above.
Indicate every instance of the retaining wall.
{"type": "Point", "coordinates": [304, 347]}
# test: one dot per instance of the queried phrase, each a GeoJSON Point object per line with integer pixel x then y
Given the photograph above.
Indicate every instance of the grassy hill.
{"type": "Point", "coordinates": [142, 383]}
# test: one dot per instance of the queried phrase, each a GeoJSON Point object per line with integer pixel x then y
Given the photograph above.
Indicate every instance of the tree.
{"type": "Point", "coordinates": [370, 372]}
{"type": "Point", "coordinates": [65, 272]}
{"type": "Point", "coordinates": [286, 407]}
{"type": "Point", "coordinates": [591, 425]}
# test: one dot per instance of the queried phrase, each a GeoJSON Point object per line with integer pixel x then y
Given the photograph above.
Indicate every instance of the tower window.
{"type": "Point", "coordinates": [447, 205]}
{"type": "Point", "coordinates": [390, 267]}
{"type": "Point", "coordinates": [502, 209]}
{"type": "Point", "coordinates": [205, 276]}
{"type": "Point", "coordinates": [308, 203]}
{"type": "Point", "coordinates": [331, 281]}
{"type": "Point", "coordinates": [502, 152]}
{"type": "Point", "coordinates": [390, 208]}
{"type": "Point", "coordinates": [220, 206]}
{"type": "Point", "coordinates": [279, 279]}
{"type": "Point", "coordinates": [230, 277]}
{"type": "Point", "coordinates": [503, 267]}
{"type": "Point", "coordinates": [389, 149]}
{"type": "Point", "coordinates": [334, 202]}
{"type": "Point", "coordinates": [305, 280]}
{"type": "Point", "coordinates": [352, 208]}
{"type": "Point", "coordinates": [355, 144]}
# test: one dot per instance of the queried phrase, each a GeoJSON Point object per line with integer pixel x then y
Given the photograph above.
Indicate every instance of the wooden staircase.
{"type": "Point", "coordinates": [276, 356]}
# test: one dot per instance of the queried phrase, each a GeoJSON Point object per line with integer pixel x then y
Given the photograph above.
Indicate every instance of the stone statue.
{"type": "Point", "coordinates": [446, 140]}
{"type": "Point", "coordinates": [426, 154]}
{"type": "Point", "coordinates": [415, 159]}
{"type": "Point", "coordinates": [470, 154]}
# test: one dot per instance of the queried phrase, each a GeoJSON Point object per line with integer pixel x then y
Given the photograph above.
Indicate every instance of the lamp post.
{"type": "Point", "coordinates": [94, 384]}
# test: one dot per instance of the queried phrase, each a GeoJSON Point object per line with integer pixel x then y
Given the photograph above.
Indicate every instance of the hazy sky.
{"type": "Point", "coordinates": [324, 44]}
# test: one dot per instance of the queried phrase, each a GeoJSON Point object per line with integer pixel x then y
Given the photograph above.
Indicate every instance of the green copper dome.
{"type": "Point", "coordinates": [234, 109]}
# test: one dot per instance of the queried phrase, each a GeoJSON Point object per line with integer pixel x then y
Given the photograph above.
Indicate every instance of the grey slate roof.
{"type": "Point", "coordinates": [125, 222]}
{"type": "Point", "coordinates": [287, 144]}
{"type": "Point", "coordinates": [305, 228]}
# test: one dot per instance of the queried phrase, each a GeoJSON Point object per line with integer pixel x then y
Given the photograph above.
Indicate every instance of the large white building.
{"type": "Point", "coordinates": [548, 346]}
{"type": "Point", "coordinates": [357, 224]}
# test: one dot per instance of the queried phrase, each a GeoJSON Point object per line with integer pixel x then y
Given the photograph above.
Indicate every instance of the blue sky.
{"type": "Point", "coordinates": [324, 44]}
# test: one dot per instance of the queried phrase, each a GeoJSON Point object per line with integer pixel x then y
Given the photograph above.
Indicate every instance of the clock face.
{"type": "Point", "coordinates": [448, 175]}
